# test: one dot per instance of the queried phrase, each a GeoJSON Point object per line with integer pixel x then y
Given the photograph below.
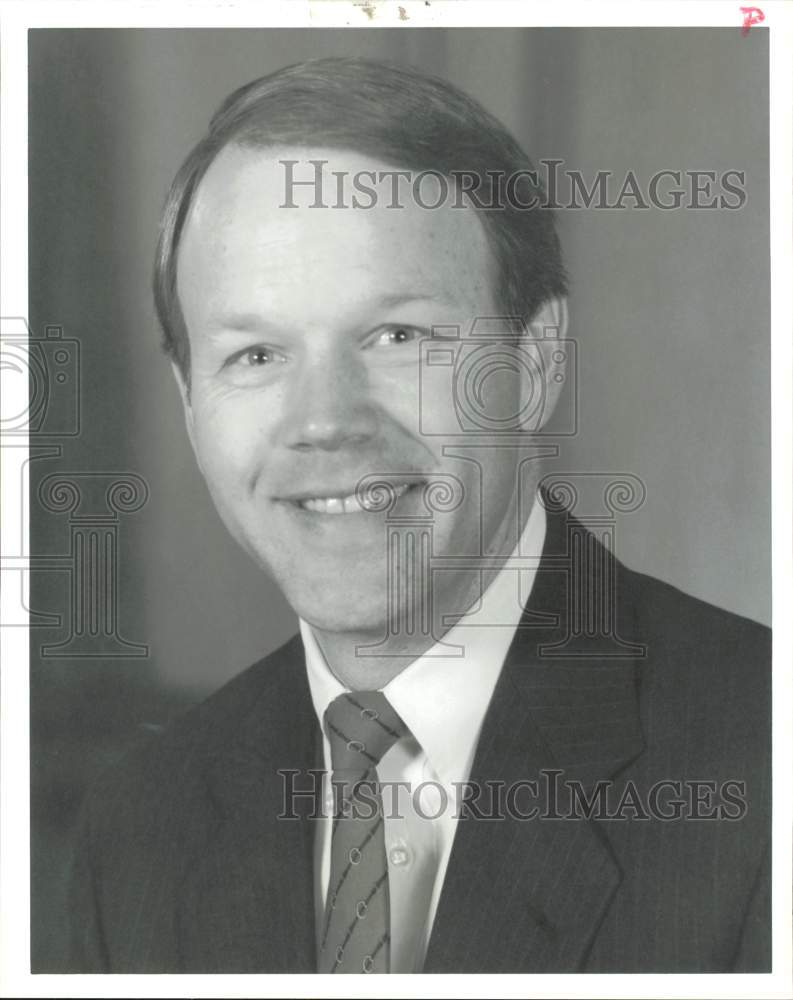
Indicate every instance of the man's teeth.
{"type": "Point", "coordinates": [345, 505]}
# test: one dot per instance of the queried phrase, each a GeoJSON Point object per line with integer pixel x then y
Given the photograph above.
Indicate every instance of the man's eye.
{"type": "Point", "coordinates": [396, 335]}
{"type": "Point", "coordinates": [258, 357]}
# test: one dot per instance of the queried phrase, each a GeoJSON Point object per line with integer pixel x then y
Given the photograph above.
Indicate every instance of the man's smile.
{"type": "Point", "coordinates": [371, 499]}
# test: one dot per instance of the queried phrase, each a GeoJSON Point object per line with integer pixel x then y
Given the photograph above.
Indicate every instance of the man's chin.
{"type": "Point", "coordinates": [349, 592]}
{"type": "Point", "coordinates": [366, 624]}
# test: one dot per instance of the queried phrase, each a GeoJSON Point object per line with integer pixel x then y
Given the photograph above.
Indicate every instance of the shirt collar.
{"type": "Point", "coordinates": [441, 698]}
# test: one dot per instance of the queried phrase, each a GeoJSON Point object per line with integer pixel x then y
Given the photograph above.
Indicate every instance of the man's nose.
{"type": "Point", "coordinates": [329, 405]}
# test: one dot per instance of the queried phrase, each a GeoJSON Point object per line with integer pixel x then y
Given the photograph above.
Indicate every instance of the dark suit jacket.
{"type": "Point", "coordinates": [184, 866]}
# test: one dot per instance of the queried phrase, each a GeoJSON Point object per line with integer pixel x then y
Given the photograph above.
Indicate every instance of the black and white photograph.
{"type": "Point", "coordinates": [396, 499]}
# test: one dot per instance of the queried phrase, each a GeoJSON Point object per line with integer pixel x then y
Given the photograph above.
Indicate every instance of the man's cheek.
{"type": "Point", "coordinates": [230, 427]}
{"type": "Point", "coordinates": [227, 457]}
{"type": "Point", "coordinates": [398, 395]}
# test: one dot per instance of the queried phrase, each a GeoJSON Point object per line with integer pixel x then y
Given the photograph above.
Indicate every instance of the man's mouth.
{"type": "Point", "coordinates": [351, 503]}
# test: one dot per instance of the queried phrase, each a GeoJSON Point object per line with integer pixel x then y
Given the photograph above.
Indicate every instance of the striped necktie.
{"type": "Point", "coordinates": [361, 726]}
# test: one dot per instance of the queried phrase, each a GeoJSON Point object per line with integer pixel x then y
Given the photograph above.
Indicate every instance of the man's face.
{"type": "Point", "coordinates": [304, 328]}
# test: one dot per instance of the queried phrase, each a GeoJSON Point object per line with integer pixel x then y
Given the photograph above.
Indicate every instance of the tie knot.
{"type": "Point", "coordinates": [361, 726]}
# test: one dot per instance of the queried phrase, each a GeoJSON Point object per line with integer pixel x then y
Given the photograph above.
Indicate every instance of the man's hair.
{"type": "Point", "coordinates": [392, 113]}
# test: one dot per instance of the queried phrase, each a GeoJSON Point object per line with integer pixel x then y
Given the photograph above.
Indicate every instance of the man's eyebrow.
{"type": "Point", "coordinates": [251, 322]}
{"type": "Point", "coordinates": [240, 323]}
{"type": "Point", "coordinates": [403, 298]}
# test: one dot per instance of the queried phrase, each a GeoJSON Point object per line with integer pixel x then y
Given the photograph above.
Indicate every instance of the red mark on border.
{"type": "Point", "coordinates": [751, 16]}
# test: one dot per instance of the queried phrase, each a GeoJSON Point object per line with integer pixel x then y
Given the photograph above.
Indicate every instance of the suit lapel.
{"type": "Point", "coordinates": [529, 895]}
{"type": "Point", "coordinates": [519, 895]}
{"type": "Point", "coordinates": [248, 906]}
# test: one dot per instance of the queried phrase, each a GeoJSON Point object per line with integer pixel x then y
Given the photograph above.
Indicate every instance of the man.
{"type": "Point", "coordinates": [565, 763]}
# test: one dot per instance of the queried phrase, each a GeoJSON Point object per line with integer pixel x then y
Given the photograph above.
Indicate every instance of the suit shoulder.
{"type": "Point", "coordinates": [657, 606]}
{"type": "Point", "coordinates": [167, 761]}
{"type": "Point", "coordinates": [699, 654]}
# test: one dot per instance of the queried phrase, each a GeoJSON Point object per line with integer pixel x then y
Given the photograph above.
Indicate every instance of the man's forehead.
{"type": "Point", "coordinates": [245, 243]}
{"type": "Point", "coordinates": [300, 191]}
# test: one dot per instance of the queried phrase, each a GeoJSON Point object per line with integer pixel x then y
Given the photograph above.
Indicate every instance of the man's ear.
{"type": "Point", "coordinates": [547, 332]}
{"type": "Point", "coordinates": [184, 393]}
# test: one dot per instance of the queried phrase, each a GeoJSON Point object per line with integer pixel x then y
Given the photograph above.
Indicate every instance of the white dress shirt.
{"type": "Point", "coordinates": [442, 700]}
